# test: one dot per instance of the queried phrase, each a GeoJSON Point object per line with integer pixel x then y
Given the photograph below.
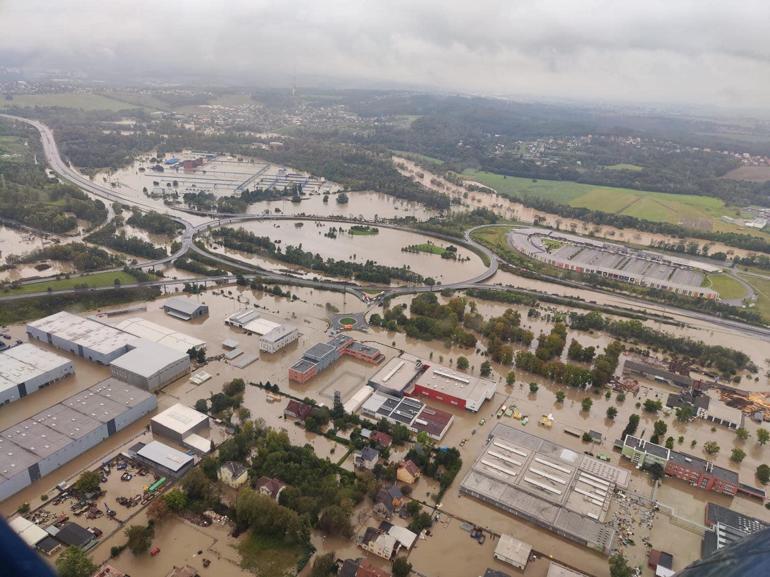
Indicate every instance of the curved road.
{"type": "Point", "coordinates": [65, 171]}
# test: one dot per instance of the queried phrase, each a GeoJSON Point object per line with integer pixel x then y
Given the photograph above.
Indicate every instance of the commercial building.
{"type": "Point", "coordinates": [26, 368]}
{"type": "Point", "coordinates": [454, 388]}
{"type": "Point", "coordinates": [512, 551]}
{"type": "Point", "coordinates": [410, 412]}
{"type": "Point", "coordinates": [178, 422]}
{"type": "Point", "coordinates": [185, 309]}
{"type": "Point", "coordinates": [726, 526]}
{"type": "Point", "coordinates": [397, 375]}
{"type": "Point", "coordinates": [151, 366]}
{"type": "Point", "coordinates": [29, 532]}
{"type": "Point", "coordinates": [644, 453]}
{"type": "Point", "coordinates": [321, 356]}
{"type": "Point", "coordinates": [272, 336]}
{"type": "Point", "coordinates": [153, 332]}
{"type": "Point", "coordinates": [709, 407]}
{"type": "Point", "coordinates": [83, 337]}
{"type": "Point", "coordinates": [702, 474]}
{"type": "Point", "coordinates": [656, 373]}
{"type": "Point", "coordinates": [167, 461]}
{"type": "Point", "coordinates": [35, 447]}
{"type": "Point", "coordinates": [549, 485]}
{"type": "Point", "coordinates": [557, 570]}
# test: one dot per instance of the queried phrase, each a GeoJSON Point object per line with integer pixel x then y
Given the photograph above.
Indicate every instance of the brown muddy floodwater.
{"type": "Point", "coordinates": [383, 248]}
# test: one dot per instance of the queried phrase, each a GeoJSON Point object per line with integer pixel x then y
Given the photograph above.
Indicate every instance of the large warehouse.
{"type": "Point", "coordinates": [166, 460]}
{"type": "Point", "coordinates": [41, 444]}
{"type": "Point", "coordinates": [272, 336]}
{"type": "Point", "coordinates": [554, 487]}
{"type": "Point", "coordinates": [156, 333]}
{"type": "Point", "coordinates": [178, 422]}
{"type": "Point", "coordinates": [185, 308]}
{"type": "Point", "coordinates": [151, 366]}
{"type": "Point", "coordinates": [26, 368]}
{"type": "Point", "coordinates": [83, 337]}
{"type": "Point", "coordinates": [412, 413]}
{"type": "Point", "coordinates": [398, 374]}
{"type": "Point", "coordinates": [454, 388]}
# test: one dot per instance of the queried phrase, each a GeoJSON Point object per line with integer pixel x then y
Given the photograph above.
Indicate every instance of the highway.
{"type": "Point", "coordinates": [66, 172]}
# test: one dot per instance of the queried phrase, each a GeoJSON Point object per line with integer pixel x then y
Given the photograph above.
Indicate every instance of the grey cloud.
{"type": "Point", "coordinates": [634, 50]}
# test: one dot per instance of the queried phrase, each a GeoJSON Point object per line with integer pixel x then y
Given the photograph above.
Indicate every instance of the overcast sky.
{"type": "Point", "coordinates": [657, 51]}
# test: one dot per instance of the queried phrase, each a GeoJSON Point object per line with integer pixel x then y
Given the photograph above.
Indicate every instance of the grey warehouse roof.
{"type": "Point", "coordinates": [164, 455]}
{"type": "Point", "coordinates": [186, 306]}
{"type": "Point", "coordinates": [148, 359]}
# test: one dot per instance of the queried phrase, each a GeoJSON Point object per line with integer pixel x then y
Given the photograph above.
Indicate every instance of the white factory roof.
{"type": "Point", "coordinates": [179, 418]}
{"type": "Point", "coordinates": [184, 305]}
{"type": "Point", "coordinates": [159, 334]}
{"type": "Point", "coordinates": [85, 332]}
{"type": "Point", "coordinates": [21, 363]}
{"type": "Point", "coordinates": [148, 359]}
{"type": "Point", "coordinates": [511, 550]}
{"type": "Point", "coordinates": [164, 455]}
{"type": "Point", "coordinates": [260, 326]}
{"type": "Point", "coordinates": [30, 533]}
{"type": "Point", "coordinates": [456, 383]}
{"type": "Point", "coordinates": [397, 374]}
{"type": "Point", "coordinates": [277, 333]}
{"type": "Point", "coordinates": [200, 444]}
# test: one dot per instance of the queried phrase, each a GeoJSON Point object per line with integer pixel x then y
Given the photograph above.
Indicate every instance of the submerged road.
{"type": "Point", "coordinates": [66, 172]}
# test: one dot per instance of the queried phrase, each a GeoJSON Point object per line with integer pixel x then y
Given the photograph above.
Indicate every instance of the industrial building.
{"type": "Point", "coordinates": [321, 356]}
{"type": "Point", "coordinates": [185, 309]}
{"type": "Point", "coordinates": [644, 453]}
{"type": "Point", "coordinates": [554, 487]}
{"type": "Point", "coordinates": [656, 373]}
{"type": "Point", "coordinates": [397, 375]}
{"type": "Point", "coordinates": [167, 461]}
{"type": "Point", "coordinates": [512, 551]}
{"type": "Point", "coordinates": [272, 336]}
{"type": "Point", "coordinates": [709, 407]}
{"type": "Point", "coordinates": [26, 368]}
{"type": "Point", "coordinates": [178, 422]}
{"type": "Point", "coordinates": [454, 388]}
{"type": "Point", "coordinates": [410, 412]}
{"type": "Point", "coordinates": [557, 570]}
{"type": "Point", "coordinates": [83, 337]}
{"type": "Point", "coordinates": [156, 333]}
{"type": "Point", "coordinates": [151, 366]}
{"type": "Point", "coordinates": [725, 527]}
{"type": "Point", "coordinates": [35, 447]}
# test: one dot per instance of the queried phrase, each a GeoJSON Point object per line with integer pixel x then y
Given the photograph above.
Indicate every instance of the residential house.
{"type": "Point", "coordinates": [360, 568]}
{"type": "Point", "coordinates": [270, 487]}
{"type": "Point", "coordinates": [388, 501]}
{"type": "Point", "coordinates": [297, 410]}
{"type": "Point", "coordinates": [233, 474]}
{"type": "Point", "coordinates": [383, 440]}
{"type": "Point", "coordinates": [378, 542]}
{"type": "Point", "coordinates": [366, 458]}
{"type": "Point", "coordinates": [408, 472]}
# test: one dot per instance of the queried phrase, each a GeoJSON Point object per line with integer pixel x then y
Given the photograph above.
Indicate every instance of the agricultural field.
{"type": "Point", "coordinates": [97, 280]}
{"type": "Point", "coordinates": [750, 173]}
{"type": "Point", "coordinates": [762, 287]}
{"type": "Point", "coordinates": [692, 211]}
{"type": "Point", "coordinates": [12, 149]}
{"type": "Point", "coordinates": [84, 101]}
{"type": "Point", "coordinates": [727, 287]}
{"type": "Point", "coordinates": [267, 557]}
{"type": "Point", "coordinates": [625, 166]}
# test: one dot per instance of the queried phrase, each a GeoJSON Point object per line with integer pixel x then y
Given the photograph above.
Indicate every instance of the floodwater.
{"type": "Point", "coordinates": [18, 242]}
{"type": "Point", "coordinates": [383, 248]}
{"type": "Point", "coordinates": [510, 209]}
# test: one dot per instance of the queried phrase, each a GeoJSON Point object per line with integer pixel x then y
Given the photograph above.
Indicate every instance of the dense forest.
{"type": "Point", "coordinates": [83, 257]}
{"type": "Point", "coordinates": [111, 237]}
{"type": "Point", "coordinates": [155, 223]}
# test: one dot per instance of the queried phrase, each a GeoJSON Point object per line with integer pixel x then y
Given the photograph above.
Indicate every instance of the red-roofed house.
{"type": "Point", "coordinates": [270, 487]}
{"type": "Point", "coordinates": [382, 439]}
{"type": "Point", "coordinates": [297, 410]}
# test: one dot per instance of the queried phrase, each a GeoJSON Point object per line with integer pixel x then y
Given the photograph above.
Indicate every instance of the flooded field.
{"type": "Point", "coordinates": [383, 248]}
{"type": "Point", "coordinates": [18, 242]}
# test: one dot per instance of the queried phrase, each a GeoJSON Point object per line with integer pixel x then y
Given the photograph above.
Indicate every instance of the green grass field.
{"type": "Point", "coordinates": [84, 101]}
{"type": "Point", "coordinates": [693, 211]}
{"type": "Point", "coordinates": [96, 280]}
{"type": "Point", "coordinates": [427, 247]}
{"type": "Point", "coordinates": [726, 286]}
{"type": "Point", "coordinates": [268, 557]}
{"type": "Point", "coordinates": [762, 288]}
{"type": "Point", "coordinates": [12, 148]}
{"type": "Point", "coordinates": [625, 166]}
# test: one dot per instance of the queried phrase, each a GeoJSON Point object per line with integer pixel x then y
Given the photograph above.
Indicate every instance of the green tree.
{"type": "Point", "coordinates": [324, 566]}
{"type": "Point", "coordinates": [335, 520]}
{"type": "Point", "coordinates": [533, 388]}
{"type": "Point", "coordinates": [560, 396]}
{"type": "Point", "coordinates": [401, 567]}
{"type": "Point", "coordinates": [586, 404]}
{"type": "Point", "coordinates": [737, 455]}
{"type": "Point", "coordinates": [88, 482]}
{"type": "Point", "coordinates": [73, 562]}
{"type": "Point", "coordinates": [176, 500]}
{"type": "Point", "coordinates": [202, 406]}
{"type": "Point", "coordinates": [742, 434]}
{"type": "Point", "coordinates": [763, 474]}
{"type": "Point", "coordinates": [139, 538]}
{"type": "Point", "coordinates": [510, 378]}
{"type": "Point", "coordinates": [413, 507]}
{"type": "Point", "coordinates": [670, 443]}
{"type": "Point", "coordinates": [463, 363]}
{"type": "Point", "coordinates": [656, 471]}
{"type": "Point", "coordinates": [619, 566]}
{"type": "Point", "coordinates": [486, 370]}
{"type": "Point", "coordinates": [763, 436]}
{"type": "Point", "coordinates": [421, 520]}
{"type": "Point", "coordinates": [684, 413]}
{"type": "Point", "coordinates": [711, 447]}
{"type": "Point", "coordinates": [612, 412]}
{"type": "Point", "coordinates": [651, 406]}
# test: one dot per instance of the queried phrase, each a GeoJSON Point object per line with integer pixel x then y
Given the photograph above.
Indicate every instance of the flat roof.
{"type": "Point", "coordinates": [36, 438]}
{"type": "Point", "coordinates": [456, 383]}
{"type": "Point", "coordinates": [67, 421]}
{"type": "Point", "coordinates": [88, 333]}
{"type": "Point", "coordinates": [318, 351]}
{"type": "Point", "coordinates": [396, 375]}
{"type": "Point", "coordinates": [276, 334]}
{"type": "Point", "coordinates": [180, 418]}
{"type": "Point", "coordinates": [557, 570]}
{"type": "Point", "coordinates": [198, 443]}
{"type": "Point", "coordinates": [14, 459]}
{"type": "Point", "coordinates": [23, 362]}
{"type": "Point", "coordinates": [647, 446]}
{"type": "Point", "coordinates": [148, 359]}
{"type": "Point", "coordinates": [260, 326]}
{"type": "Point", "coordinates": [513, 549]}
{"type": "Point", "coordinates": [30, 533]}
{"type": "Point", "coordinates": [164, 455]}
{"type": "Point", "coordinates": [121, 392]}
{"type": "Point", "coordinates": [186, 306]}
{"type": "Point", "coordinates": [242, 317]}
{"type": "Point", "coordinates": [698, 464]}
{"type": "Point", "coordinates": [156, 333]}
